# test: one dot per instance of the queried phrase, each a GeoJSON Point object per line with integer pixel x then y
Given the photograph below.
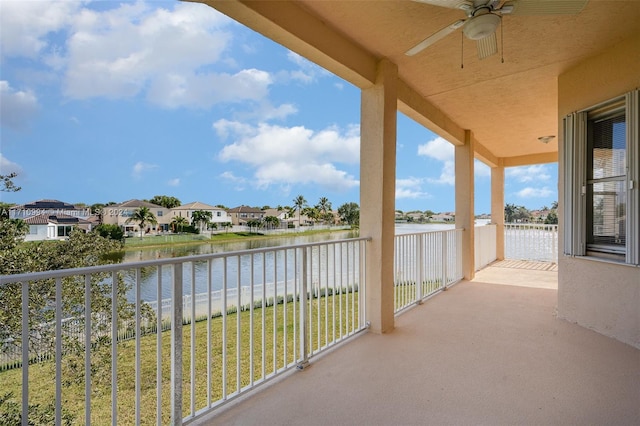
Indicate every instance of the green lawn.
{"type": "Point", "coordinates": [41, 375]}
{"type": "Point", "coordinates": [223, 237]}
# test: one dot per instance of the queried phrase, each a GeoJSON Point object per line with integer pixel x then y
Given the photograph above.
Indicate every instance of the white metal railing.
{"type": "Point", "coordinates": [529, 241]}
{"type": "Point", "coordinates": [485, 245]}
{"type": "Point", "coordinates": [424, 264]}
{"type": "Point", "coordinates": [294, 302]}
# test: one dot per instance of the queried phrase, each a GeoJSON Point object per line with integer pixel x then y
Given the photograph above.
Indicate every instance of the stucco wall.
{"type": "Point", "coordinates": [601, 296]}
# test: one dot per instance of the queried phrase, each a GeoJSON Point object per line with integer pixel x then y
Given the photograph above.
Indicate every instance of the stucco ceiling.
{"type": "Point", "coordinates": [506, 105]}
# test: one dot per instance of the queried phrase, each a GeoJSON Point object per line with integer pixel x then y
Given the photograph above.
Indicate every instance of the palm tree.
{"type": "Point", "coordinates": [324, 205]}
{"type": "Point", "coordinates": [312, 213]}
{"type": "Point", "coordinates": [142, 216]}
{"type": "Point", "coordinates": [509, 212]}
{"type": "Point", "coordinates": [298, 203]}
{"type": "Point", "coordinates": [201, 217]}
{"type": "Point", "coordinates": [271, 222]}
{"type": "Point", "coordinates": [178, 222]}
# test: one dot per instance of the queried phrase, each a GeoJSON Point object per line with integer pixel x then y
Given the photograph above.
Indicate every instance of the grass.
{"type": "Point", "coordinates": [406, 292]}
{"type": "Point", "coordinates": [167, 239]}
{"type": "Point", "coordinates": [134, 243]}
{"type": "Point", "coordinates": [240, 371]}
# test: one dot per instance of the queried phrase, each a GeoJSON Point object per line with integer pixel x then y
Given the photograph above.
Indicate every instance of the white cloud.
{"type": "Point", "coordinates": [190, 89]}
{"type": "Point", "coordinates": [17, 107]}
{"type": "Point", "coordinates": [123, 51]}
{"type": "Point", "coordinates": [174, 182]}
{"type": "Point", "coordinates": [24, 25]}
{"type": "Point", "coordinates": [7, 166]}
{"type": "Point", "coordinates": [141, 167]}
{"type": "Point", "coordinates": [133, 49]}
{"type": "Point", "coordinates": [239, 183]}
{"type": "Point", "coordinates": [410, 188]}
{"type": "Point", "coordinates": [307, 71]}
{"type": "Point", "coordinates": [441, 150]}
{"type": "Point", "coordinates": [285, 155]}
{"type": "Point", "coordinates": [438, 149]}
{"type": "Point", "coordinates": [523, 174]}
{"type": "Point", "coordinates": [535, 192]}
{"type": "Point", "coordinates": [480, 169]}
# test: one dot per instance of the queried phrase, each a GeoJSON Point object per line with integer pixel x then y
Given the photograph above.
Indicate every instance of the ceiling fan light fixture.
{"type": "Point", "coordinates": [481, 26]}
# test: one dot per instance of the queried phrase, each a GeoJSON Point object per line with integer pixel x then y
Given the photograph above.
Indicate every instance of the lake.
{"type": "Point", "coordinates": [148, 288]}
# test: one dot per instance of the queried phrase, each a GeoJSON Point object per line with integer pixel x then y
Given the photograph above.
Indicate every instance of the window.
{"type": "Point", "coordinates": [64, 231]}
{"type": "Point", "coordinates": [602, 211]}
{"type": "Point", "coordinates": [160, 213]}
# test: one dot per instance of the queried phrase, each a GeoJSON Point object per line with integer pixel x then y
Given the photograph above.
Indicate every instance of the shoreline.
{"type": "Point", "coordinates": [232, 237]}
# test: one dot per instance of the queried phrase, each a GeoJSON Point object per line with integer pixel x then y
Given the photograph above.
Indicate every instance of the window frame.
{"type": "Point", "coordinates": [575, 158]}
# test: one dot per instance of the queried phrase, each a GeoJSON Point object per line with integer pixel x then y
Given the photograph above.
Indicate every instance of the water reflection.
{"type": "Point", "coordinates": [196, 249]}
{"type": "Point", "coordinates": [246, 269]}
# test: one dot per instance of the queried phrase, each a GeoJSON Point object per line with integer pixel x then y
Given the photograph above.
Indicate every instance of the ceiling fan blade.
{"type": "Point", "coordinates": [439, 35]}
{"type": "Point", "coordinates": [544, 7]}
{"type": "Point", "coordinates": [487, 46]}
{"type": "Point", "coordinates": [451, 4]}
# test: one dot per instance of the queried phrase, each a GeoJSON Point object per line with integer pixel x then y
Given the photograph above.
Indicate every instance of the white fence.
{"type": "Point", "coordinates": [484, 245]}
{"type": "Point", "coordinates": [294, 302]}
{"type": "Point", "coordinates": [528, 241]}
{"type": "Point", "coordinates": [424, 264]}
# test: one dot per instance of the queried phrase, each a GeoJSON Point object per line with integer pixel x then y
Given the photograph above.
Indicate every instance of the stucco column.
{"type": "Point", "coordinates": [465, 217]}
{"type": "Point", "coordinates": [377, 192]}
{"type": "Point", "coordinates": [497, 207]}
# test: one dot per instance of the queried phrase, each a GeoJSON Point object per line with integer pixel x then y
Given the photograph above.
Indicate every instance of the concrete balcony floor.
{"type": "Point", "coordinates": [486, 352]}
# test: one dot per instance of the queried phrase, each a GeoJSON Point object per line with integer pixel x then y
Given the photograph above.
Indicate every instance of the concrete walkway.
{"type": "Point", "coordinates": [482, 353]}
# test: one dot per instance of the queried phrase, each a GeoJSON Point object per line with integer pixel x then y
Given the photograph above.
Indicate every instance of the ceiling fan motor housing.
{"type": "Point", "coordinates": [481, 23]}
{"type": "Point", "coordinates": [481, 26]}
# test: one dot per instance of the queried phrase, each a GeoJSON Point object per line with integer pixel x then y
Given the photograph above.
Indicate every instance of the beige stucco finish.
{"type": "Point", "coordinates": [377, 193]}
{"type": "Point", "coordinates": [599, 295]}
{"type": "Point", "coordinates": [497, 208]}
{"type": "Point", "coordinates": [465, 203]}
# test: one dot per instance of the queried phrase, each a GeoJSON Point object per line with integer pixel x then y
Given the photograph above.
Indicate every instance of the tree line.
{"type": "Point", "coordinates": [79, 250]}
{"type": "Point", "coordinates": [348, 213]}
{"type": "Point", "coordinates": [520, 214]}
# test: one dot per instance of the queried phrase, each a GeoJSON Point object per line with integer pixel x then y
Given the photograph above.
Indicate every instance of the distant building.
{"type": "Point", "coordinates": [443, 217]}
{"type": "Point", "coordinates": [48, 207]}
{"type": "Point", "coordinates": [282, 215]}
{"type": "Point", "coordinates": [53, 227]}
{"type": "Point", "coordinates": [118, 214]}
{"type": "Point", "coordinates": [242, 214]}
{"type": "Point", "coordinates": [51, 219]}
{"type": "Point", "coordinates": [218, 215]}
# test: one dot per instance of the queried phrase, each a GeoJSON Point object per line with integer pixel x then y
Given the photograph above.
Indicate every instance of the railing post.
{"type": "Point", "coordinates": [444, 260]}
{"type": "Point", "coordinates": [87, 349]}
{"type": "Point", "coordinates": [304, 323]}
{"type": "Point", "coordinates": [420, 260]}
{"type": "Point", "coordinates": [176, 346]}
{"type": "Point", "coordinates": [25, 353]}
{"type": "Point", "coordinates": [554, 242]}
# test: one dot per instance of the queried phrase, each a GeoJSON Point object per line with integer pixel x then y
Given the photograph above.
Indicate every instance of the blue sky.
{"type": "Point", "coordinates": [109, 101]}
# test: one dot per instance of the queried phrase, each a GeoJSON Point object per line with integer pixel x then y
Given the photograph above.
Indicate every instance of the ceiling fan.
{"type": "Point", "coordinates": [484, 16]}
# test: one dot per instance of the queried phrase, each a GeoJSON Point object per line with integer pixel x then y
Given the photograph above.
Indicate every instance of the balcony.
{"type": "Point", "coordinates": [484, 351]}
{"type": "Point", "coordinates": [487, 351]}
